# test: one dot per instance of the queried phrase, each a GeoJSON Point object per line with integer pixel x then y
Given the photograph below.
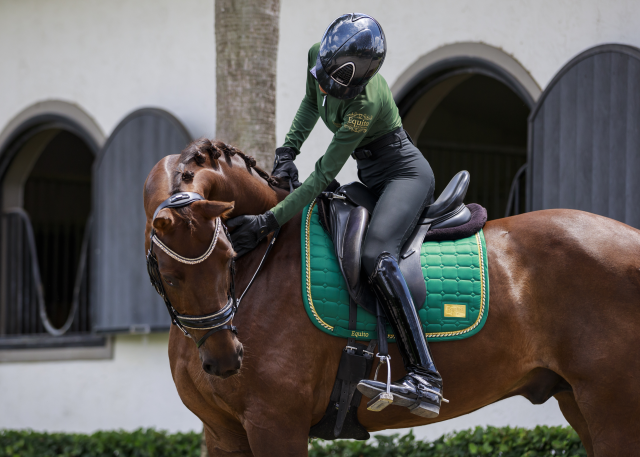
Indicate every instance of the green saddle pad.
{"type": "Point", "coordinates": [455, 272]}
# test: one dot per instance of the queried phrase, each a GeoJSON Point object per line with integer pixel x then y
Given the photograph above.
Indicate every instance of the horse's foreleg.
{"type": "Point", "coordinates": [277, 433]}
{"type": "Point", "coordinates": [224, 443]}
{"type": "Point", "coordinates": [572, 413]}
{"type": "Point", "coordinates": [289, 440]}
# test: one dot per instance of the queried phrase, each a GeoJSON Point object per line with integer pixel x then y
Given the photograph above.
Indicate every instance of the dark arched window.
{"type": "Point", "coordinates": [467, 113]}
{"type": "Point", "coordinates": [46, 174]}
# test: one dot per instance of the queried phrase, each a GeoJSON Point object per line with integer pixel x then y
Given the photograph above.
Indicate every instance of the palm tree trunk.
{"type": "Point", "coordinates": [247, 33]}
{"type": "Point", "coordinates": [203, 446]}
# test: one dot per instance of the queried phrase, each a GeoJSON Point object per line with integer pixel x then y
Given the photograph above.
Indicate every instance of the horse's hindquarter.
{"type": "Point", "coordinates": [565, 297]}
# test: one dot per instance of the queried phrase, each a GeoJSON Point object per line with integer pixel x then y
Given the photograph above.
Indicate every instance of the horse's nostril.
{"type": "Point", "coordinates": [208, 368]}
{"type": "Point", "coordinates": [228, 373]}
{"type": "Point", "coordinates": [241, 353]}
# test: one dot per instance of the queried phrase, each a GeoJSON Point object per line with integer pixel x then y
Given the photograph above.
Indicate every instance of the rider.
{"type": "Point", "coordinates": [345, 89]}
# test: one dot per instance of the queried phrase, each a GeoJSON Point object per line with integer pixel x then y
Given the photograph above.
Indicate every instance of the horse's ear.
{"type": "Point", "coordinates": [164, 221]}
{"type": "Point", "coordinates": [210, 209]}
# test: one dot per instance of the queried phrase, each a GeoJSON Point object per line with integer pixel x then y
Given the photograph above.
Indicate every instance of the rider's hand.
{"type": "Point", "coordinates": [284, 168]}
{"type": "Point", "coordinates": [249, 230]}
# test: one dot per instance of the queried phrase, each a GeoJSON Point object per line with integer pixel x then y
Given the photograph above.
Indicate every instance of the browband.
{"type": "Point", "coordinates": [178, 201]}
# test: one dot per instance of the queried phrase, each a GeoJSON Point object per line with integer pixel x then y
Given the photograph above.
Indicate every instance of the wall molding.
{"type": "Point", "coordinates": [451, 55]}
{"type": "Point", "coordinates": [54, 109]}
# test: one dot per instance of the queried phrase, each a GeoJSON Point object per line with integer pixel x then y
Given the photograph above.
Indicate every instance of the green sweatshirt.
{"type": "Point", "coordinates": [354, 122]}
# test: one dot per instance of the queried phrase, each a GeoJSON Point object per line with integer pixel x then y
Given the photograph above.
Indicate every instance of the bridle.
{"type": "Point", "coordinates": [214, 322]}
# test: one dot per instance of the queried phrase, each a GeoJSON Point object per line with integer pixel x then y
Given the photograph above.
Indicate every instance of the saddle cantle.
{"type": "Point", "coordinates": [350, 209]}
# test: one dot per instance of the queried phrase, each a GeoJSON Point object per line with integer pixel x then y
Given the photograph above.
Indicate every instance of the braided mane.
{"type": "Point", "coordinates": [198, 150]}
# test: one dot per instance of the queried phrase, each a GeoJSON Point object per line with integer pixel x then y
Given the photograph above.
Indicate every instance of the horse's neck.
{"type": "Point", "coordinates": [251, 194]}
{"type": "Point", "coordinates": [253, 202]}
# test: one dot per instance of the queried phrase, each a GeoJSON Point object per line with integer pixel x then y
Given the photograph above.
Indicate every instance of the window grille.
{"type": "Point", "coordinates": [34, 304]}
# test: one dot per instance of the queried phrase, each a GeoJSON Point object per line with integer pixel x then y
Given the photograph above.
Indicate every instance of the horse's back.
{"type": "Point", "coordinates": [578, 244]}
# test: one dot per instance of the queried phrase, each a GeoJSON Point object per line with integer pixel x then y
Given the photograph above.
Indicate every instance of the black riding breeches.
{"type": "Point", "coordinates": [404, 181]}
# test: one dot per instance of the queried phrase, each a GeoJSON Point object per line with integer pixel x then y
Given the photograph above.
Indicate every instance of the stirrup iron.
{"type": "Point", "coordinates": [383, 399]}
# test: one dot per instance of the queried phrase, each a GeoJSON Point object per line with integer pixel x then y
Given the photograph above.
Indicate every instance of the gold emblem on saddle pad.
{"type": "Point", "coordinates": [455, 311]}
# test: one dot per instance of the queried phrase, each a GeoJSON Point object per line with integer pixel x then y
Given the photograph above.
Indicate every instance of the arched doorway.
{"type": "Point", "coordinates": [45, 183]}
{"type": "Point", "coordinates": [469, 113]}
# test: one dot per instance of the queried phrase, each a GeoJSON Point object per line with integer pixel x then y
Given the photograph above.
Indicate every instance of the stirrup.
{"type": "Point", "coordinates": [383, 399]}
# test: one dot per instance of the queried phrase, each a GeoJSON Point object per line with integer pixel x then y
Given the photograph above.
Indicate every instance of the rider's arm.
{"type": "Point", "coordinates": [353, 130]}
{"type": "Point", "coordinates": [307, 115]}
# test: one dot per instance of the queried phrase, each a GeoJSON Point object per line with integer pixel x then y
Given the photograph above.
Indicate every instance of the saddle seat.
{"type": "Point", "coordinates": [350, 209]}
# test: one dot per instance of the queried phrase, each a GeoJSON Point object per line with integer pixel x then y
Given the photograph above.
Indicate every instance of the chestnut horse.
{"type": "Point", "coordinates": [564, 320]}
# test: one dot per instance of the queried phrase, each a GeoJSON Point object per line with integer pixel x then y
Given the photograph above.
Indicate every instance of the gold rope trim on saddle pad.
{"type": "Point", "coordinates": [448, 334]}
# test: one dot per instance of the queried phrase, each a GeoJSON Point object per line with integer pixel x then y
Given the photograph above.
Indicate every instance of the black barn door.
{"type": "Point", "coordinates": [584, 137]}
{"type": "Point", "coordinates": [123, 299]}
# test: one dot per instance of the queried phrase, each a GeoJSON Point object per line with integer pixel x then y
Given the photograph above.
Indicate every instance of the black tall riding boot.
{"type": "Point", "coordinates": [421, 389]}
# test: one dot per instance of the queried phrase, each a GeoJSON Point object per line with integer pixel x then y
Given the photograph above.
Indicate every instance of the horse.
{"type": "Point", "coordinates": [563, 322]}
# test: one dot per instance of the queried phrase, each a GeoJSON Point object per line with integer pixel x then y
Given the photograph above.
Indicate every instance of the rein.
{"type": "Point", "coordinates": [214, 322]}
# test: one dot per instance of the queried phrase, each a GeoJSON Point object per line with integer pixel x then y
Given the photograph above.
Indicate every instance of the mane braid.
{"type": "Point", "coordinates": [250, 162]}
{"type": "Point", "coordinates": [198, 150]}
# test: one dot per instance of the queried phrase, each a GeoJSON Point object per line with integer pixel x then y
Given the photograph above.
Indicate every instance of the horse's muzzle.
{"type": "Point", "coordinates": [223, 367]}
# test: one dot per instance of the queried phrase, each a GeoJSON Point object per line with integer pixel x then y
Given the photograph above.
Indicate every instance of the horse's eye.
{"type": "Point", "coordinates": [169, 281]}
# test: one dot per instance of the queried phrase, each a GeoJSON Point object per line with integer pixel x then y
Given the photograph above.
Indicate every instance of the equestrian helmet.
{"type": "Point", "coordinates": [351, 52]}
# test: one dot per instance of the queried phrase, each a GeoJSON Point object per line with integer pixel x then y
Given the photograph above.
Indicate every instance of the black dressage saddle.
{"type": "Point", "coordinates": [349, 212]}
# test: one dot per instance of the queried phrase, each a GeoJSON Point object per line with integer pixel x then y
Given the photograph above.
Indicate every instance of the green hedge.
{"type": "Point", "coordinates": [491, 441]}
{"type": "Point", "coordinates": [141, 443]}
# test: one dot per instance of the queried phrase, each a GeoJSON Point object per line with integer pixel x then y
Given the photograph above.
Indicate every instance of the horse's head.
{"type": "Point", "coordinates": [190, 256]}
{"type": "Point", "coordinates": [199, 288]}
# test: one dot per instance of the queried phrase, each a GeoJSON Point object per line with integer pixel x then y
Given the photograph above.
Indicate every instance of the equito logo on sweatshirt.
{"type": "Point", "coordinates": [357, 122]}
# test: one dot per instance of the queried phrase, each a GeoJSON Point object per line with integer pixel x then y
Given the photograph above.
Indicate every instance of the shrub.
{"type": "Point", "coordinates": [140, 443]}
{"type": "Point", "coordinates": [491, 441]}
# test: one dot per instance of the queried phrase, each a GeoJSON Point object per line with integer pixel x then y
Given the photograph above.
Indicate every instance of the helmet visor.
{"type": "Point", "coordinates": [332, 86]}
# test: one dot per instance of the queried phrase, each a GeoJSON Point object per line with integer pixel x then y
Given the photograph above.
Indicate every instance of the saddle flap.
{"type": "Point", "coordinates": [338, 214]}
{"type": "Point", "coordinates": [351, 249]}
{"type": "Point", "coordinates": [350, 263]}
{"type": "Point", "coordinates": [348, 229]}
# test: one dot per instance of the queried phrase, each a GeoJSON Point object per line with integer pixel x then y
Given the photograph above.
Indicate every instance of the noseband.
{"type": "Point", "coordinates": [214, 322]}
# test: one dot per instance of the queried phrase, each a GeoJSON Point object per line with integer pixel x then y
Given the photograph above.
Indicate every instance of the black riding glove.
{"type": "Point", "coordinates": [250, 230]}
{"type": "Point", "coordinates": [284, 168]}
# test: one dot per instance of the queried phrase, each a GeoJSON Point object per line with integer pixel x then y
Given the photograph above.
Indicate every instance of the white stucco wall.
{"type": "Point", "coordinates": [111, 58]}
{"type": "Point", "coordinates": [134, 389]}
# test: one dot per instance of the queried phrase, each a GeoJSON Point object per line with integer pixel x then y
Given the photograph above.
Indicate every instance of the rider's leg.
{"type": "Point", "coordinates": [402, 199]}
{"type": "Point", "coordinates": [421, 388]}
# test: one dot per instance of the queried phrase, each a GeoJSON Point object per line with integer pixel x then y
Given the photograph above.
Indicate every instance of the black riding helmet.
{"type": "Point", "coordinates": [351, 53]}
